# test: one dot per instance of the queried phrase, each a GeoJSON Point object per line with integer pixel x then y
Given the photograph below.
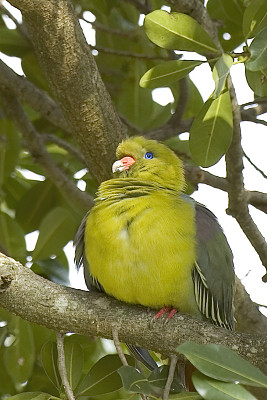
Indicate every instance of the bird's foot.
{"type": "Point", "coordinates": [171, 311]}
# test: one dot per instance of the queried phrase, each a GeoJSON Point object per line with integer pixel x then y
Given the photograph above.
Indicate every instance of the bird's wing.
{"type": "Point", "coordinates": [213, 273]}
{"type": "Point", "coordinates": [80, 258]}
{"type": "Point", "coordinates": [92, 283]}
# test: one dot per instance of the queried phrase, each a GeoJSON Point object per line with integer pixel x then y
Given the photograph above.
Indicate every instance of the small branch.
{"type": "Point", "coordinates": [36, 147]}
{"type": "Point", "coordinates": [173, 362]}
{"type": "Point", "coordinates": [143, 7]}
{"type": "Point", "coordinates": [62, 366]}
{"type": "Point", "coordinates": [128, 53]}
{"type": "Point", "coordinates": [118, 346]}
{"type": "Point", "coordinates": [168, 130]}
{"type": "Point", "coordinates": [30, 94]}
{"type": "Point", "coordinates": [255, 166]}
{"type": "Point", "coordinates": [113, 31]}
{"type": "Point", "coordinates": [48, 137]}
{"type": "Point", "coordinates": [19, 26]}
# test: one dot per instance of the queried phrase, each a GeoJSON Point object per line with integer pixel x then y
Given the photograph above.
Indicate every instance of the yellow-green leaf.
{"type": "Point", "coordinates": [178, 31]}
{"type": "Point", "coordinates": [166, 73]}
{"type": "Point", "coordinates": [211, 132]}
{"type": "Point", "coordinates": [220, 72]}
{"type": "Point", "coordinates": [255, 18]}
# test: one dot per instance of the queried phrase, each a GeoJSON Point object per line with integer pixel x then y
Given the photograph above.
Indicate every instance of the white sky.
{"type": "Point", "coordinates": [254, 141]}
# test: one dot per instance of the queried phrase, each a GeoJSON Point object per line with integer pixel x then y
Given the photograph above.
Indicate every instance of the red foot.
{"type": "Point", "coordinates": [163, 311]}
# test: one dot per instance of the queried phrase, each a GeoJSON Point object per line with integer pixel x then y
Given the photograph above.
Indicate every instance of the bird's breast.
{"type": "Point", "coordinates": [142, 251]}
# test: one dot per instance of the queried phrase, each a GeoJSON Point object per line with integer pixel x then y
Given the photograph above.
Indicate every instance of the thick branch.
{"type": "Point", "coordinates": [69, 310]}
{"type": "Point", "coordinates": [72, 74]}
{"type": "Point", "coordinates": [37, 149]}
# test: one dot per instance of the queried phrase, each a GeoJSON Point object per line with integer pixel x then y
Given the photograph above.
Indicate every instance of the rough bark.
{"type": "Point", "coordinates": [70, 310]}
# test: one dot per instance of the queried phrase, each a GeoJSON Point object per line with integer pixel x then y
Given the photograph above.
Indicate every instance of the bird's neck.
{"type": "Point", "coordinates": [121, 188]}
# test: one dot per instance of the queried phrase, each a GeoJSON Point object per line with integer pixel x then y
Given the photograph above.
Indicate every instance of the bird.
{"type": "Point", "coordinates": [146, 242]}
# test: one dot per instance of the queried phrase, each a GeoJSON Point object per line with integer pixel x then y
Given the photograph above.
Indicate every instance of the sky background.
{"type": "Point", "coordinates": [254, 141]}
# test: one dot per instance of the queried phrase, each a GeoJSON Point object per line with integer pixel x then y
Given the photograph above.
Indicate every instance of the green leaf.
{"type": "Point", "coordinates": [53, 269]}
{"type": "Point", "coordinates": [159, 376]}
{"type": "Point", "coordinates": [258, 52]}
{"type": "Point", "coordinates": [15, 187]}
{"type": "Point", "coordinates": [19, 357]}
{"type": "Point", "coordinates": [257, 81]}
{"type": "Point", "coordinates": [12, 237]}
{"type": "Point", "coordinates": [211, 389]}
{"type": "Point", "coordinates": [35, 203]}
{"type": "Point", "coordinates": [102, 378]}
{"type": "Point", "coordinates": [32, 396]}
{"type": "Point", "coordinates": [220, 72]}
{"type": "Point", "coordinates": [134, 381]}
{"type": "Point", "coordinates": [234, 10]}
{"type": "Point", "coordinates": [221, 363]}
{"type": "Point", "coordinates": [255, 18]}
{"type": "Point", "coordinates": [178, 32]}
{"type": "Point", "coordinates": [166, 73]}
{"type": "Point", "coordinates": [49, 358]}
{"type": "Point", "coordinates": [195, 101]}
{"type": "Point", "coordinates": [9, 148]}
{"type": "Point", "coordinates": [73, 361]}
{"type": "Point", "coordinates": [12, 43]}
{"type": "Point", "coordinates": [56, 229]}
{"type": "Point", "coordinates": [211, 131]}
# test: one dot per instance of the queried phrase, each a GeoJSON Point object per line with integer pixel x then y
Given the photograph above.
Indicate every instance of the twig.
{"type": "Point", "coordinates": [19, 26]}
{"type": "Point", "coordinates": [36, 147]}
{"type": "Point", "coordinates": [30, 94]}
{"type": "Point", "coordinates": [255, 166]}
{"type": "Point", "coordinates": [116, 340]}
{"type": "Point", "coordinates": [140, 6]}
{"type": "Point", "coordinates": [128, 53]}
{"type": "Point", "coordinates": [48, 137]}
{"type": "Point", "coordinates": [62, 366]}
{"type": "Point", "coordinates": [170, 377]}
{"type": "Point", "coordinates": [112, 31]}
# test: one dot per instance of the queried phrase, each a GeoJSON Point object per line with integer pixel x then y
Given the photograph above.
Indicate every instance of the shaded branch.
{"type": "Point", "coordinates": [37, 149]}
{"type": "Point", "coordinates": [49, 137]}
{"type": "Point", "coordinates": [70, 310]}
{"type": "Point", "coordinates": [30, 94]}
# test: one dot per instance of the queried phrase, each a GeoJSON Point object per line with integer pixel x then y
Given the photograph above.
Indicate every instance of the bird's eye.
{"type": "Point", "coordinates": [149, 155]}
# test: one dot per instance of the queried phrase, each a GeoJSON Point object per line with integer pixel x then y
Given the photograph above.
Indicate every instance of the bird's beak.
{"type": "Point", "coordinates": [123, 164]}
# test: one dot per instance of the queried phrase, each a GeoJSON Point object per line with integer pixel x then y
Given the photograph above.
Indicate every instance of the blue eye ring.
{"type": "Point", "coordinates": [149, 155]}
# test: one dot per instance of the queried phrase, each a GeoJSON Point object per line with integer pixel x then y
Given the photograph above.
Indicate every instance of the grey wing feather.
{"type": "Point", "coordinates": [80, 258]}
{"type": "Point", "coordinates": [213, 273]}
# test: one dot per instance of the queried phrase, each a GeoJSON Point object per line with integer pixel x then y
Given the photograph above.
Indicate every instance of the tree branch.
{"type": "Point", "coordinates": [30, 94]}
{"type": "Point", "coordinates": [70, 310]}
{"type": "Point", "coordinates": [72, 74]}
{"type": "Point", "coordinates": [62, 366]}
{"type": "Point", "coordinates": [37, 149]}
{"type": "Point", "coordinates": [238, 205]}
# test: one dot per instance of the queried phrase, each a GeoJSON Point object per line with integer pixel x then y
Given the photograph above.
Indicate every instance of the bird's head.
{"type": "Point", "coordinates": [150, 161]}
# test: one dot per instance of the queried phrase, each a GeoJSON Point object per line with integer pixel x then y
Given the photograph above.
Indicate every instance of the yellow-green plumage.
{"type": "Point", "coordinates": [145, 242]}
